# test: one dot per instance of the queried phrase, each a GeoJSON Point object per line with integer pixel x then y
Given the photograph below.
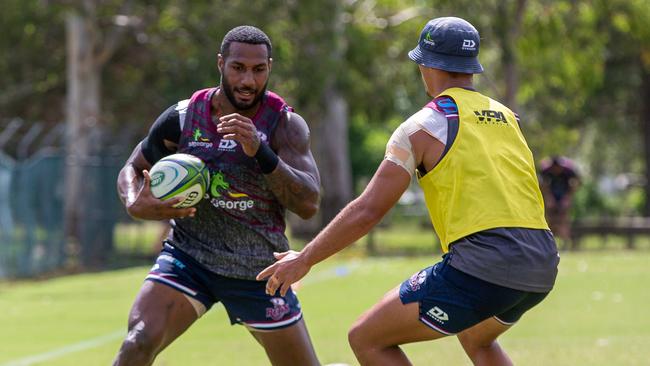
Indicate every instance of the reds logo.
{"type": "Point", "coordinates": [417, 279]}
{"type": "Point", "coordinates": [279, 309]}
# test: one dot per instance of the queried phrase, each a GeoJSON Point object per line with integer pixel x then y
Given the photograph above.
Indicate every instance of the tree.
{"type": "Point", "coordinates": [88, 51]}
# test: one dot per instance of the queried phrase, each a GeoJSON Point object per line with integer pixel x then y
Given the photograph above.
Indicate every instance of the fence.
{"type": "Point", "coordinates": [32, 189]}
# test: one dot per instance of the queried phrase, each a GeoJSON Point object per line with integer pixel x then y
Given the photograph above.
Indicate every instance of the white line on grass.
{"type": "Point", "coordinates": [76, 347]}
{"type": "Point", "coordinates": [341, 270]}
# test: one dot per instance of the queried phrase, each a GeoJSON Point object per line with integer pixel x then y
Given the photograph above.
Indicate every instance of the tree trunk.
{"type": "Point", "coordinates": [509, 33]}
{"type": "Point", "coordinates": [327, 108]}
{"type": "Point", "coordinates": [330, 148]}
{"type": "Point", "coordinates": [87, 226]}
{"type": "Point", "coordinates": [333, 155]}
{"type": "Point", "coordinates": [82, 112]}
{"type": "Point", "coordinates": [645, 130]}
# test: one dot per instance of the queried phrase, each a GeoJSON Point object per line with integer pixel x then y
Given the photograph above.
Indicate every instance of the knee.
{"type": "Point", "coordinates": [357, 338]}
{"type": "Point", "coordinates": [140, 345]}
{"type": "Point", "coordinates": [475, 346]}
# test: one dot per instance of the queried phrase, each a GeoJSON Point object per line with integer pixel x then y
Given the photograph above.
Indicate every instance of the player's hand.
{"type": "Point", "coordinates": [241, 129]}
{"type": "Point", "coordinates": [147, 207]}
{"type": "Point", "coordinates": [289, 268]}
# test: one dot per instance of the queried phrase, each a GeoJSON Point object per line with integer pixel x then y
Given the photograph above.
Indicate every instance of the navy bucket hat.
{"type": "Point", "coordinates": [449, 44]}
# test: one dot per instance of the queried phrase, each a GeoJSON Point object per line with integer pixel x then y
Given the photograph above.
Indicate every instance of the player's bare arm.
{"type": "Point", "coordinates": [357, 218]}
{"type": "Point", "coordinates": [295, 181]}
{"type": "Point", "coordinates": [133, 188]}
{"type": "Point", "coordinates": [352, 223]}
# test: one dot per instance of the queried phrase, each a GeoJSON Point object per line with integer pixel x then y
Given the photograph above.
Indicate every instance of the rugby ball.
{"type": "Point", "coordinates": [180, 175]}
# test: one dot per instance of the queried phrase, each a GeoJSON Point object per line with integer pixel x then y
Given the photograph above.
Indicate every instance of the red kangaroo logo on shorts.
{"type": "Point", "coordinates": [279, 309]}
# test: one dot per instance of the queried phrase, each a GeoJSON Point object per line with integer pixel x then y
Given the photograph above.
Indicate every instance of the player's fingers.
{"type": "Point", "coordinates": [266, 272]}
{"type": "Point", "coordinates": [280, 255]}
{"type": "Point", "coordinates": [146, 181]}
{"type": "Point", "coordinates": [235, 117]}
{"type": "Point", "coordinates": [168, 207]}
{"type": "Point", "coordinates": [173, 201]}
{"type": "Point", "coordinates": [228, 117]}
{"type": "Point", "coordinates": [243, 131]}
{"type": "Point", "coordinates": [235, 125]}
{"type": "Point", "coordinates": [272, 285]}
{"type": "Point", "coordinates": [285, 287]}
{"type": "Point", "coordinates": [186, 212]}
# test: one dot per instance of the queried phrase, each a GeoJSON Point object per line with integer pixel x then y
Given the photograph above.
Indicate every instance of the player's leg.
{"type": "Point", "coordinates": [276, 322]}
{"type": "Point", "coordinates": [480, 343]}
{"type": "Point", "coordinates": [170, 300]}
{"type": "Point", "coordinates": [288, 346]}
{"type": "Point", "coordinates": [375, 337]}
{"type": "Point", "coordinates": [563, 224]}
{"type": "Point", "coordinates": [159, 315]}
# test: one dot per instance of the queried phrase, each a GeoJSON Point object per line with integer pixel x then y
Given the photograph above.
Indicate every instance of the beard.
{"type": "Point", "coordinates": [229, 90]}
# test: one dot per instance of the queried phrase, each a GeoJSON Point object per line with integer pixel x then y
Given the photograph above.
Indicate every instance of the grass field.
{"type": "Point", "coordinates": [597, 315]}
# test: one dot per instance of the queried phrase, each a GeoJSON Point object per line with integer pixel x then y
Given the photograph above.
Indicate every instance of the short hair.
{"type": "Point", "coordinates": [245, 34]}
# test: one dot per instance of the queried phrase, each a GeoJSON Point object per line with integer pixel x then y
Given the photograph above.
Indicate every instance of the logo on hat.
{"type": "Point", "coordinates": [450, 44]}
{"type": "Point", "coordinates": [469, 44]}
{"type": "Point", "coordinates": [427, 39]}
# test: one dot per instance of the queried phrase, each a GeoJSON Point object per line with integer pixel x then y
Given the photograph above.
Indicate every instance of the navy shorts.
{"type": "Point", "coordinates": [452, 301]}
{"type": "Point", "coordinates": [245, 301]}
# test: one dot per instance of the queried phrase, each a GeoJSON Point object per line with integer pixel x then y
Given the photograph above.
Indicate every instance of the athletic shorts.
{"type": "Point", "coordinates": [245, 301]}
{"type": "Point", "coordinates": [452, 301]}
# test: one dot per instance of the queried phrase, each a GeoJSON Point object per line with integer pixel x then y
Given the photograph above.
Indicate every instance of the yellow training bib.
{"type": "Point", "coordinates": [487, 179]}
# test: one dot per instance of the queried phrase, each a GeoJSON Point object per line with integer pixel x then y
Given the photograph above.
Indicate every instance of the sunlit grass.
{"type": "Point", "coordinates": [597, 315]}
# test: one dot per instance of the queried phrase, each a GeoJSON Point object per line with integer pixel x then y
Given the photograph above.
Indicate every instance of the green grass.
{"type": "Point", "coordinates": [597, 315]}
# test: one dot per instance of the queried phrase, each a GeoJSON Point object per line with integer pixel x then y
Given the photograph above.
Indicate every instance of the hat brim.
{"type": "Point", "coordinates": [450, 63]}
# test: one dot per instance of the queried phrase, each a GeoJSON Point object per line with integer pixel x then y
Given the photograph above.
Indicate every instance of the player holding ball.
{"type": "Point", "coordinates": [260, 164]}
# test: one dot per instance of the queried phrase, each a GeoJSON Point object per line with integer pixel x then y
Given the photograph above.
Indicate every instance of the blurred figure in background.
{"type": "Point", "coordinates": [559, 180]}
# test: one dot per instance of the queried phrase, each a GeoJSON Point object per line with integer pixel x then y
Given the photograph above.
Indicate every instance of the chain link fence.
{"type": "Point", "coordinates": [32, 220]}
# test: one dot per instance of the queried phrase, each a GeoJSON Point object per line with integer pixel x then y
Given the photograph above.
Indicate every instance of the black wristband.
{"type": "Point", "coordinates": [266, 158]}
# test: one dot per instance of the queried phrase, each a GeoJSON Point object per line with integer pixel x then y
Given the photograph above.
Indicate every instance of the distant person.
{"type": "Point", "coordinates": [257, 151]}
{"type": "Point", "coordinates": [559, 181]}
{"type": "Point", "coordinates": [480, 185]}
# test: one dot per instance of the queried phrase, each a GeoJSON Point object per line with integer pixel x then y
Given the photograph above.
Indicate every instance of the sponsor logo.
{"type": "Point", "coordinates": [469, 45]}
{"type": "Point", "coordinates": [438, 314]}
{"type": "Point", "coordinates": [428, 40]}
{"type": "Point", "coordinates": [191, 197]}
{"type": "Point", "coordinates": [417, 280]}
{"type": "Point", "coordinates": [198, 135]}
{"type": "Point", "coordinates": [279, 309]}
{"type": "Point", "coordinates": [488, 116]}
{"type": "Point", "coordinates": [223, 197]}
{"type": "Point", "coordinates": [199, 140]}
{"type": "Point", "coordinates": [262, 136]}
{"type": "Point", "coordinates": [227, 145]}
{"type": "Point", "coordinates": [157, 178]}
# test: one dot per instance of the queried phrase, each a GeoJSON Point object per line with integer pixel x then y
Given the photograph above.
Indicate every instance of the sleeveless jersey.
{"type": "Point", "coordinates": [240, 222]}
{"type": "Point", "coordinates": [487, 178]}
